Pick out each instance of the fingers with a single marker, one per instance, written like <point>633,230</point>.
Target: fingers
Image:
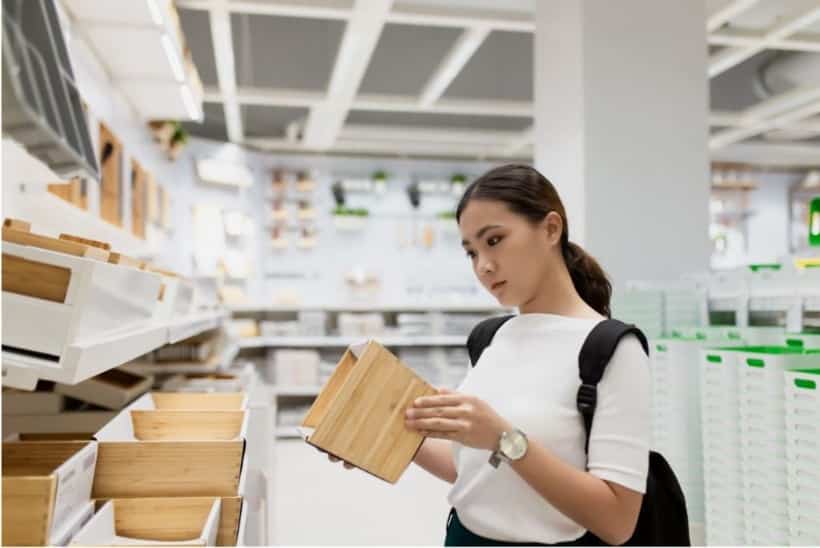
<point>347,465</point>
<point>451,412</point>
<point>435,425</point>
<point>444,400</point>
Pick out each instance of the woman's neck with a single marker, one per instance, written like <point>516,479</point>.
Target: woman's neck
<point>557,295</point>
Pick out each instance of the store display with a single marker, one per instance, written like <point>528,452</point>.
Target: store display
<point>381,445</point>
<point>802,438</point>
<point>360,325</point>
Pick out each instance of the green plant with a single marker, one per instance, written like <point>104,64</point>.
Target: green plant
<point>379,175</point>
<point>447,215</point>
<point>180,135</point>
<point>342,211</point>
<point>458,178</point>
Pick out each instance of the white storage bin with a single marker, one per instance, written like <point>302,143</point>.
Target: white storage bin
<point>294,367</point>
<point>104,320</point>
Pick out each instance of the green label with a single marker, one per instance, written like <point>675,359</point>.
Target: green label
<point>795,343</point>
<point>714,359</point>
<point>754,362</point>
<point>661,348</point>
<point>732,335</point>
<point>805,383</point>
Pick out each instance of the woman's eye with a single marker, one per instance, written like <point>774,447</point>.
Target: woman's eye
<point>493,241</point>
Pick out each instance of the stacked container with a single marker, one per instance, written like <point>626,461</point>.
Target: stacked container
<point>763,438</point>
<point>802,393</point>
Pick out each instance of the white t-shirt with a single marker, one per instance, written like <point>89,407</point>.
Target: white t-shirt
<point>529,376</point>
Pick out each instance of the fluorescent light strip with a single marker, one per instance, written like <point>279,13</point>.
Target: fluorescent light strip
<point>173,58</point>
<point>156,15</point>
<point>188,99</point>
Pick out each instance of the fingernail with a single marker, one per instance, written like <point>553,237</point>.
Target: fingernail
<point>408,414</point>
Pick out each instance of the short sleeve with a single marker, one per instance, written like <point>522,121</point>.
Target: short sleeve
<point>619,442</point>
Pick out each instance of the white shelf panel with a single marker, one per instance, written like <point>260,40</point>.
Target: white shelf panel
<point>297,390</point>
<point>221,362</point>
<point>83,360</point>
<point>288,432</point>
<point>193,325</point>
<point>432,307</point>
<point>343,342</point>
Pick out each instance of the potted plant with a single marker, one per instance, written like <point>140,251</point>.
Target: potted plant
<point>347,218</point>
<point>178,141</point>
<point>379,181</point>
<point>457,183</point>
<point>162,131</point>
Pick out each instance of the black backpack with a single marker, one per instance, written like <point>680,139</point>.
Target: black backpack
<point>663,520</point>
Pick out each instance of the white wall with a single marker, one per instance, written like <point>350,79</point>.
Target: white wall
<point>768,227</point>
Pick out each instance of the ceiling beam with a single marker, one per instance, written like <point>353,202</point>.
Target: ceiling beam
<point>272,97</point>
<point>727,13</point>
<point>405,13</point>
<point>409,13</point>
<point>770,154</point>
<point>797,42</point>
<point>309,9</point>
<point>452,64</point>
<point>358,43</point>
<point>782,120</point>
<point>729,57</point>
<point>425,134</point>
<point>519,142</point>
<point>225,69</point>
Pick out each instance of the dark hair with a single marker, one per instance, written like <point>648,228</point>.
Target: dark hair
<point>529,194</point>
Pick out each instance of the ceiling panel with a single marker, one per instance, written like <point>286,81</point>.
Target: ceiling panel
<point>426,119</point>
<point>405,58</point>
<point>196,26</point>
<point>213,123</point>
<point>500,69</point>
<point>263,121</point>
<point>284,52</point>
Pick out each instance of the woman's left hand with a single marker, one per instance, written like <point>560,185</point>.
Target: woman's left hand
<point>458,417</point>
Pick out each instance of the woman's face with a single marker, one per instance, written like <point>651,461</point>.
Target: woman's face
<point>510,256</point>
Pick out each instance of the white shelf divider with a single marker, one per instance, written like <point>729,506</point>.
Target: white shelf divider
<point>193,325</point>
<point>297,390</point>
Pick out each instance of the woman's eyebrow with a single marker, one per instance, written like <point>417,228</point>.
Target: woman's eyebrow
<point>480,233</point>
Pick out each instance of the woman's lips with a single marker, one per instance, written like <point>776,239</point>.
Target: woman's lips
<point>497,285</point>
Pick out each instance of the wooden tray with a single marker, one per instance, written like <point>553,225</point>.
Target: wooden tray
<point>113,389</point>
<point>168,469</point>
<point>359,414</point>
<point>182,521</point>
<point>44,483</point>
<point>174,425</point>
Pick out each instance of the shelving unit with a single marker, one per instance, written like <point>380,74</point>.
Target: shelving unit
<point>342,342</point>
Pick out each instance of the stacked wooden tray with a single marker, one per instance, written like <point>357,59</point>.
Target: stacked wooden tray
<point>178,445</point>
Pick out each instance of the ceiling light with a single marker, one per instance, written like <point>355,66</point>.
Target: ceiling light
<point>173,58</point>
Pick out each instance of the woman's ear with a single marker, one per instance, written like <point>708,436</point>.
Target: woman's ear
<point>554,226</point>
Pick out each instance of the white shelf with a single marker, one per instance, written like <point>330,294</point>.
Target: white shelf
<point>342,342</point>
<point>432,307</point>
<point>82,360</point>
<point>193,325</point>
<point>222,362</point>
<point>288,432</point>
<point>297,390</point>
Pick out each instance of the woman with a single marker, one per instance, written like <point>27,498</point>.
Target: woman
<point>515,233</point>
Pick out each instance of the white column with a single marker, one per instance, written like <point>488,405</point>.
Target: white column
<point>621,110</point>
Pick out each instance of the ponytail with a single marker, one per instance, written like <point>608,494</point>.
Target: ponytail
<point>588,277</point>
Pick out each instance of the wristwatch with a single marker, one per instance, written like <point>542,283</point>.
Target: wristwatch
<point>512,446</point>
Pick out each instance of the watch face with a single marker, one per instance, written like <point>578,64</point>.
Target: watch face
<point>513,444</point>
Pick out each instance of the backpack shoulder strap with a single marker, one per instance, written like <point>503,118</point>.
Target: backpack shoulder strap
<point>482,335</point>
<point>595,354</point>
